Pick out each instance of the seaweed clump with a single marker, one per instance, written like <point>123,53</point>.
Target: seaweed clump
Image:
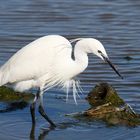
<point>11,100</point>
<point>106,105</point>
<point>104,93</point>
<point>7,94</point>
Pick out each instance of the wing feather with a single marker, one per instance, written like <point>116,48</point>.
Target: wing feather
<point>34,60</point>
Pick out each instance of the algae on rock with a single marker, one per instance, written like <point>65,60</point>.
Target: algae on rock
<point>104,93</point>
<point>7,94</point>
<point>106,105</point>
<point>11,100</point>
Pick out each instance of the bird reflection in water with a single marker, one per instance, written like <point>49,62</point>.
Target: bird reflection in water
<point>16,105</point>
<point>42,134</point>
<point>60,126</point>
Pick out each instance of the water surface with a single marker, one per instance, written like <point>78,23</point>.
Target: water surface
<point>115,23</point>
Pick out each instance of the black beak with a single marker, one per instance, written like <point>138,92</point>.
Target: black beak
<point>111,65</point>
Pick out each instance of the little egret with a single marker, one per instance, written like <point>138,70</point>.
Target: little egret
<point>47,62</point>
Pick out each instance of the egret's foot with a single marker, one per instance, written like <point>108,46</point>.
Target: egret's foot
<point>44,115</point>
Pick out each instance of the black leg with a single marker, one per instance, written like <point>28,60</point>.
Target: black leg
<point>32,107</point>
<point>32,110</point>
<point>32,132</point>
<point>42,112</point>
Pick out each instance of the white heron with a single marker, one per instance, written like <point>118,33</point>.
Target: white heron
<point>47,62</point>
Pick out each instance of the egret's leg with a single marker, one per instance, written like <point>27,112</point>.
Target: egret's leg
<point>42,112</point>
<point>32,132</point>
<point>32,108</point>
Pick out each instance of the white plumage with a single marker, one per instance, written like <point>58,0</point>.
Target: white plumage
<point>47,62</point>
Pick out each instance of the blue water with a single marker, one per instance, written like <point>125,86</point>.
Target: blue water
<point>115,23</point>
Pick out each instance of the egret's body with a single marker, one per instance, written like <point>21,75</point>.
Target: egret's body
<point>47,62</point>
<point>38,62</point>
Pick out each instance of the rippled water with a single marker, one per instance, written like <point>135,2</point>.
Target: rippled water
<point>115,23</point>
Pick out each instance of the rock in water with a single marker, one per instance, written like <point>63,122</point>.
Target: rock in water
<point>11,100</point>
<point>103,93</point>
<point>106,105</point>
<point>9,95</point>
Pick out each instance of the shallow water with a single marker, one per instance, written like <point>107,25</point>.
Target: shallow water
<point>115,23</point>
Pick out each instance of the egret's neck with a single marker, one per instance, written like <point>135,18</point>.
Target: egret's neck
<point>81,58</point>
<point>72,67</point>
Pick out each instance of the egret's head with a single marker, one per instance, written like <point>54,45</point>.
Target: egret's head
<point>94,46</point>
<point>97,48</point>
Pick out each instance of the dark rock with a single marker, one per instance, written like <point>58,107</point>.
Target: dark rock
<point>107,106</point>
<point>104,93</point>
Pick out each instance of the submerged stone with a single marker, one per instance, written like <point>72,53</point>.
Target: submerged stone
<point>11,100</point>
<point>104,93</point>
<point>8,95</point>
<point>128,58</point>
<point>107,106</point>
